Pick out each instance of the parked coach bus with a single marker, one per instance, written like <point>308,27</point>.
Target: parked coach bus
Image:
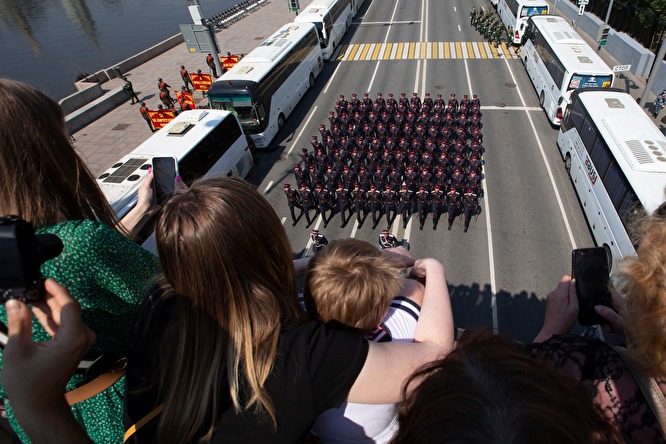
<point>616,158</point>
<point>514,15</point>
<point>267,84</point>
<point>558,62</point>
<point>332,19</point>
<point>203,142</point>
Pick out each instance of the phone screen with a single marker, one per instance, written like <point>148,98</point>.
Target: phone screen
<point>164,177</point>
<point>591,271</point>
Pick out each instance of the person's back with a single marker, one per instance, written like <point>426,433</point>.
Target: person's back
<point>354,284</point>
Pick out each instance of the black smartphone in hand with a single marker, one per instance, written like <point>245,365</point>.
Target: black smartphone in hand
<point>591,271</point>
<point>164,178</point>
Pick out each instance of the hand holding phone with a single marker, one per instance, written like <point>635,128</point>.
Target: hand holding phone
<point>591,272</point>
<point>164,178</point>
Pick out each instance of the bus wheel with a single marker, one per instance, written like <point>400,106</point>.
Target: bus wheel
<point>567,164</point>
<point>542,99</point>
<point>281,120</point>
<point>311,80</point>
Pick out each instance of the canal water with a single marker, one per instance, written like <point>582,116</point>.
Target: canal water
<point>47,43</point>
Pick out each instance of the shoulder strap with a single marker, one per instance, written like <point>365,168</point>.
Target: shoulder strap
<point>649,387</point>
<point>142,422</point>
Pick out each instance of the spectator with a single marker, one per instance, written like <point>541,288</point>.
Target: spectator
<point>46,183</point>
<point>488,390</point>
<point>615,389</point>
<point>227,354</point>
<point>353,284</point>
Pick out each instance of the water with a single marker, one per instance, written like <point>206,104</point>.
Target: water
<point>46,43</point>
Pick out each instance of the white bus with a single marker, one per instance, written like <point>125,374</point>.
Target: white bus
<point>332,19</point>
<point>204,143</point>
<point>558,62</point>
<point>514,15</point>
<point>267,84</point>
<point>616,158</point>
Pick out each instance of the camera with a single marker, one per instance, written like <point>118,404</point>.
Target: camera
<point>21,254</point>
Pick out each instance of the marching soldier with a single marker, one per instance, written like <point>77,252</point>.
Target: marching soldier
<point>343,197</point>
<point>300,175</point>
<point>422,197</point>
<point>452,204</point>
<point>293,200</point>
<point>144,113</point>
<point>375,204</point>
<point>319,241</point>
<point>474,182</point>
<point>405,204</point>
<point>308,158</point>
<point>415,103</point>
<point>453,102</point>
<point>390,198</point>
<point>307,202</point>
<point>324,202</point>
<point>360,204</point>
<point>470,206</point>
<point>404,101</point>
<point>437,198</point>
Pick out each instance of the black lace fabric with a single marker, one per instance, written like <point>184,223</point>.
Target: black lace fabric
<point>609,382</point>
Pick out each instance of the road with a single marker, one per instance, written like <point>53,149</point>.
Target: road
<point>520,245</point>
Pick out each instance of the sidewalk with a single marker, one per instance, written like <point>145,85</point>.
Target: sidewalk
<point>118,132</point>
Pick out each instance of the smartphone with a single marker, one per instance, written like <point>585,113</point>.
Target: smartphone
<point>591,271</point>
<point>164,178</point>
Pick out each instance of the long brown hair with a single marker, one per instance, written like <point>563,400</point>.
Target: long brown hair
<point>489,391</point>
<point>228,260</point>
<point>43,179</point>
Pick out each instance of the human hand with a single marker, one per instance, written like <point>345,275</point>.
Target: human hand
<point>35,373</point>
<point>423,267</point>
<point>561,310</point>
<point>146,200</point>
<point>400,254</point>
<point>615,321</point>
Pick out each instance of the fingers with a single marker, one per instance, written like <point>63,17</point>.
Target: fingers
<point>19,322</point>
<point>48,311</point>
<point>614,319</point>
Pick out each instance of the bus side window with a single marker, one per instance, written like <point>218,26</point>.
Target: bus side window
<point>207,152</point>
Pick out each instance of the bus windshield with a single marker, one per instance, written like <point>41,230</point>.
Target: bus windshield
<point>249,113</point>
<point>589,81</point>
<point>529,11</point>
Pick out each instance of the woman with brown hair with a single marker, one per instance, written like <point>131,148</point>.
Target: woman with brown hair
<point>489,391</point>
<point>45,182</point>
<point>226,354</point>
<point>640,314</point>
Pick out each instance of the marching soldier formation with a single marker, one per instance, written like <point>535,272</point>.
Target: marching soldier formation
<point>388,157</point>
<point>488,25</point>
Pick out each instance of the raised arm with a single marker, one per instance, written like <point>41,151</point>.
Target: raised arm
<point>394,362</point>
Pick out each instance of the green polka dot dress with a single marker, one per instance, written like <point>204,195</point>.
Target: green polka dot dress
<point>109,275</point>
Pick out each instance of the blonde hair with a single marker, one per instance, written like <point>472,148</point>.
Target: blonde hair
<point>643,281</point>
<point>351,282</point>
<point>43,179</point>
<point>228,261</point>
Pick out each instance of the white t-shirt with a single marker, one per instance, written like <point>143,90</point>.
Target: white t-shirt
<point>370,423</point>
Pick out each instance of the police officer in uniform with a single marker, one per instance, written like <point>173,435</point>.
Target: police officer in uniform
<point>388,240</point>
<point>319,241</point>
<point>343,199</point>
<point>452,204</point>
<point>293,200</point>
<point>390,198</point>
<point>437,199</point>
<point>405,203</point>
<point>360,204</point>
<point>375,204</point>
<point>422,203</point>
<point>470,206</point>
<point>324,202</point>
<point>308,202</point>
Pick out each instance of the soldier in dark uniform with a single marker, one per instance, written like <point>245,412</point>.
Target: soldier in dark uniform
<point>391,101</point>
<point>354,102</point>
<point>473,182</point>
<point>367,101</point>
<point>365,178</point>
<point>301,175</point>
<point>438,204</point>
<point>333,120</point>
<point>390,198</point>
<point>324,202</point>
<point>425,179</point>
<point>440,101</point>
<point>375,204</point>
<point>394,179</point>
<point>360,204</point>
<point>457,180</point>
<point>343,200</point>
<point>405,203</point>
<point>428,103</point>
<point>388,240</point>
<point>453,102</point>
<point>422,197</point>
<point>470,206</point>
<point>293,200</point>
<point>415,103</point>
<point>411,177</point>
<point>319,241</point>
<point>452,204</point>
<point>315,175</point>
<point>330,177</point>
<point>404,101</point>
<point>475,163</point>
<point>308,202</point>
